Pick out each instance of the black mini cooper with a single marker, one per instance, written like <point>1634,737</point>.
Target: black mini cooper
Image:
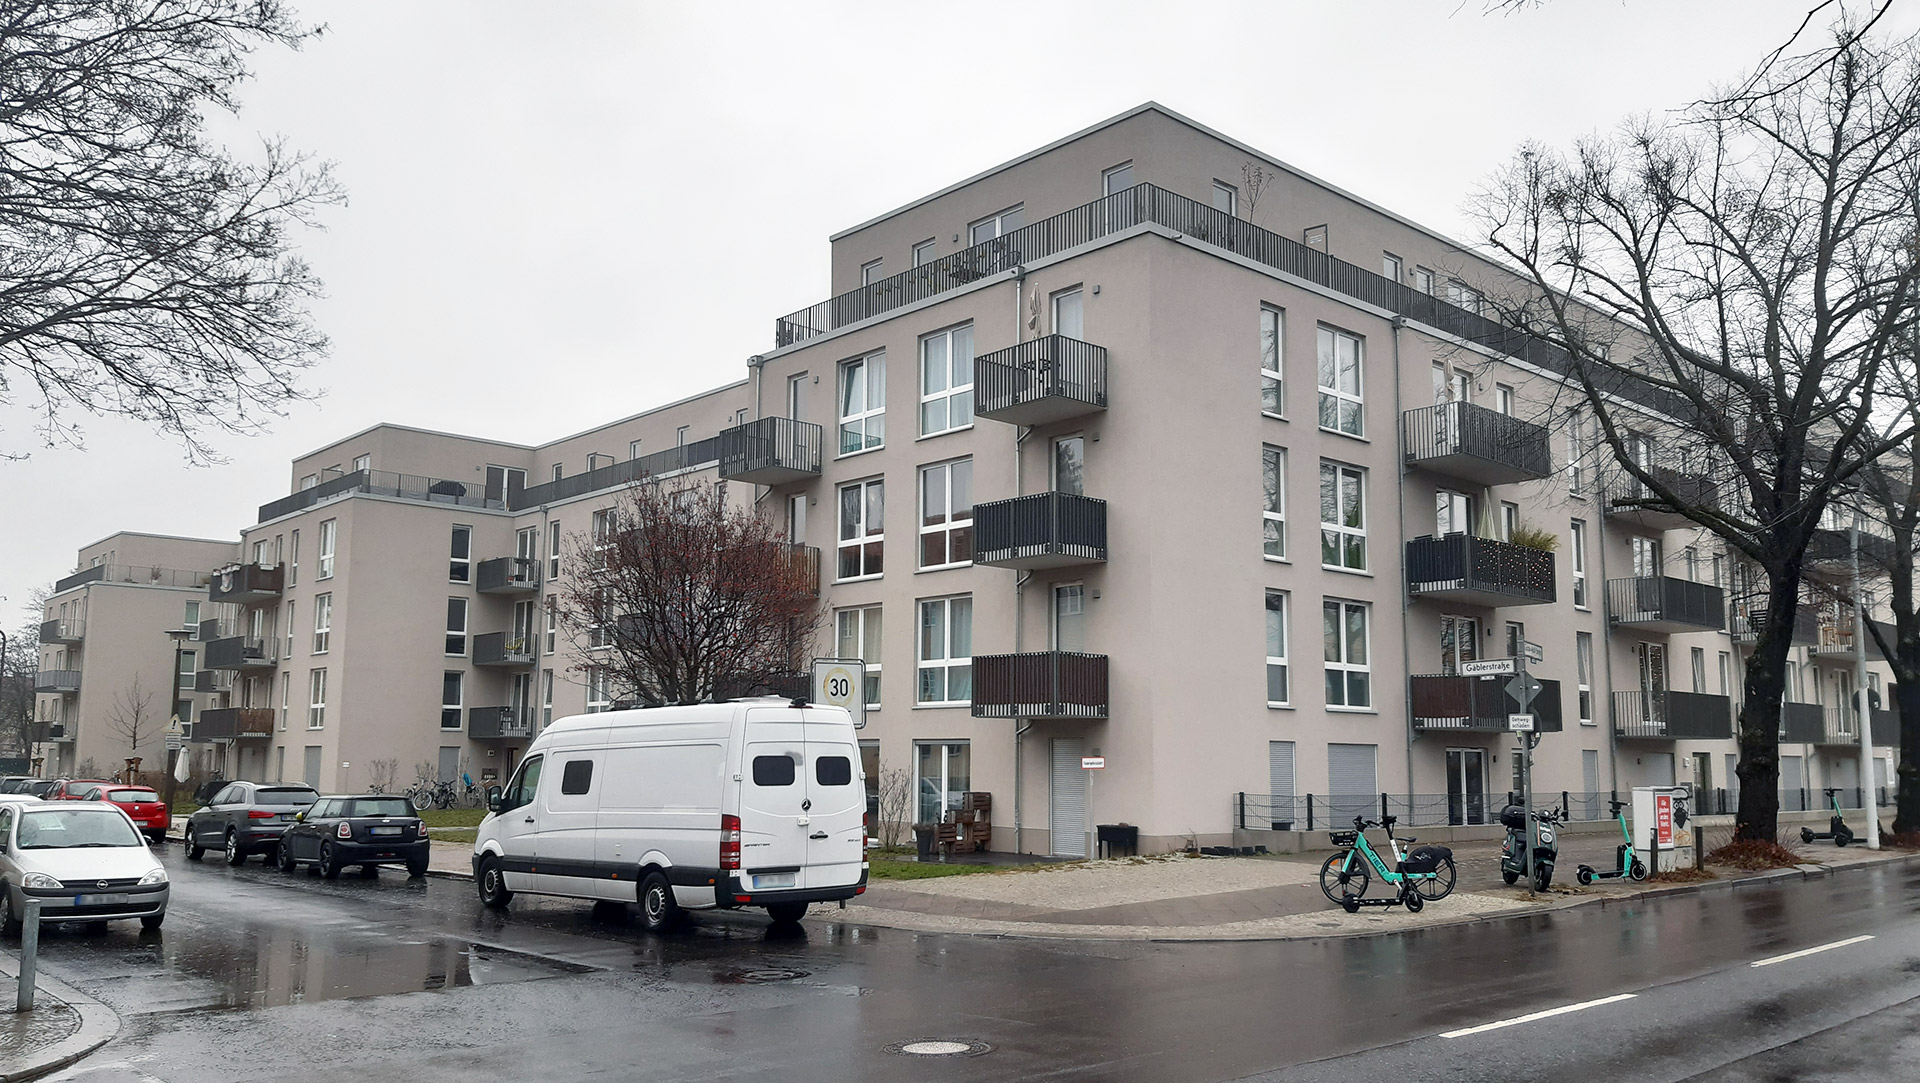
<point>367,830</point>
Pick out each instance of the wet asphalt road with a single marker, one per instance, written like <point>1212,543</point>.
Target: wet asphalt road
<point>261,976</point>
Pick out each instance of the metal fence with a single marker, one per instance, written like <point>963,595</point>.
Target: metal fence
<point>1336,812</point>
<point>144,574</point>
<point>386,483</point>
<point>1046,528</point>
<point>1052,366</point>
<point>1663,599</point>
<point>694,456</point>
<point>1461,428</point>
<point>1463,562</point>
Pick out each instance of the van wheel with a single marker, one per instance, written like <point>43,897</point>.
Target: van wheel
<point>492,885</point>
<point>786,913</point>
<point>658,910</point>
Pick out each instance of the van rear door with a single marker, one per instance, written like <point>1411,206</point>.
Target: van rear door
<point>774,805</point>
<point>836,830</point>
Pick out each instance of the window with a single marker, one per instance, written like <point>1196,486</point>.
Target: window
<point>872,271</point>
<point>451,692</point>
<point>1390,267</point>
<point>1576,453</point>
<point>863,404</point>
<point>576,777</point>
<point>460,560</point>
<point>1583,658</point>
<point>525,784</point>
<point>1726,673</point>
<point>546,698</point>
<point>260,551</point>
<point>1578,555</point>
<point>1509,519</point>
<point>1226,198</point>
<point>1070,617</point>
<point>1719,565</point>
<point>1273,508</point>
<point>946,651</point>
<point>553,549</point>
<point>595,461</point>
<point>1000,224</point>
<point>1503,399</point>
<point>605,522</point>
<point>362,462</point>
<point>317,699</point>
<point>192,617</point>
<point>1117,179</point>
<point>599,690</point>
<point>1452,512</point>
<point>1348,678</point>
<point>923,253</point>
<point>1340,399</point>
<point>946,514</point>
<point>322,622</point>
<point>286,697</point>
<point>1070,465</point>
<point>559,471</point>
<point>309,482</point>
<point>633,449</point>
<point>1646,557</point>
<point>1465,296</point>
<point>942,772</point>
<point>1423,280</point>
<point>862,532</point>
<point>680,436</point>
<point>1459,642</point>
<point>1516,639</point>
<point>833,771</point>
<point>946,380</point>
<point>1273,388</point>
<point>293,564</point>
<point>1278,693</point>
<point>857,635</point>
<point>553,626</point>
<point>774,770</point>
<point>1070,313</point>
<point>456,626</point>
<point>188,666</point>
<point>1690,556</point>
<point>1698,658</point>
<point>327,531</point>
<point>1343,519</point>
<point>1315,237</point>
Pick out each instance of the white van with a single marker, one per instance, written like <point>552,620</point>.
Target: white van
<point>750,803</point>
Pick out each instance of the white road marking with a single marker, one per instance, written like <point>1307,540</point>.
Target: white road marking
<point>1564,1009</point>
<point>1804,952</point>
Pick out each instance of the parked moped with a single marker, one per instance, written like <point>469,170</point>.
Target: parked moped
<point>1544,850</point>
<point>1627,863</point>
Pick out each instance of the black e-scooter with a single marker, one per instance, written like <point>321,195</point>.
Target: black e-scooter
<point>1838,830</point>
<point>1627,863</point>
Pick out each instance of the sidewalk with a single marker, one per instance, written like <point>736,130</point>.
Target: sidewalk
<point>64,1025</point>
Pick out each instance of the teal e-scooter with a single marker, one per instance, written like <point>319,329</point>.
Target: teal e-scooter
<point>1838,830</point>
<point>1628,863</point>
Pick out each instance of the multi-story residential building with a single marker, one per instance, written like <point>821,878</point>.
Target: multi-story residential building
<point>1151,447</point>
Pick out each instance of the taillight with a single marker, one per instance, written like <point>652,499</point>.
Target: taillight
<point>730,842</point>
<point>256,814</point>
<point>345,830</point>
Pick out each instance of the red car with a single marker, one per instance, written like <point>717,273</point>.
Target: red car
<point>70,789</point>
<point>148,811</point>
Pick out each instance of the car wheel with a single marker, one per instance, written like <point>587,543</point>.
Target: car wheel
<point>152,921</point>
<point>236,855</point>
<point>417,869</point>
<point>658,910</point>
<point>194,849</point>
<point>10,923</point>
<point>285,857</point>
<point>787,913</point>
<point>329,862</point>
<point>492,885</point>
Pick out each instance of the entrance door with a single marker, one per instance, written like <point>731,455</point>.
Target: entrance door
<point>1653,682</point>
<point>797,518</point>
<point>1793,782</point>
<point>1702,773</point>
<point>773,833</point>
<point>1466,786</point>
<point>1067,799</point>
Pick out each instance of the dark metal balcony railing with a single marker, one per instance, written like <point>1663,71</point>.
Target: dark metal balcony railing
<point>1803,723</point>
<point>242,652</point>
<point>496,649</point>
<point>1445,702</point>
<point>496,723</point>
<point>1043,530</point>
<point>1629,499</point>
<point>697,455</point>
<point>1045,684</point>
<point>771,451</point>
<point>804,562</point>
<point>1479,571</point>
<point>143,574</point>
<point>213,680</point>
<point>1672,716</point>
<point>1145,204</point>
<point>57,680</point>
<point>247,583</point>
<point>1661,603</point>
<point>1839,725</point>
<point>1473,442</point>
<point>1886,729</point>
<point>63,631</point>
<point>508,575</point>
<point>1043,380</point>
<point>419,487</point>
<point>229,723</point>
<point>1748,620</point>
<point>53,731</point>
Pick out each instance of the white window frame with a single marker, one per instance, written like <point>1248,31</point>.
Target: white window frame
<point>1231,195</point>
<point>362,462</point>
<point>322,622</point>
<point>599,689</point>
<point>1392,267</point>
<point>1504,399</point>
<point>1273,499</point>
<point>947,612</point>
<point>552,632</point>
<point>1333,394</point>
<point>1276,605</point>
<point>457,706</point>
<point>954,394</point>
<point>286,701</point>
<point>329,533</point>
<point>633,450</point>
<point>1509,519</point>
<point>307,482</point>
<point>1423,280</point>
<point>317,699</point>
<point>863,536</point>
<point>1109,174</point>
<point>1342,608</point>
<point>872,271</point>
<point>860,628</point>
<point>1338,532</point>
<point>1273,346</point>
<point>999,224</point>
<point>937,479</point>
<point>1577,550</point>
<point>466,616</point>
<point>925,252</point>
<point>546,698</point>
<point>553,549</point>
<point>1583,664</point>
<point>459,568</point>
<point>868,423</point>
<point>293,560</point>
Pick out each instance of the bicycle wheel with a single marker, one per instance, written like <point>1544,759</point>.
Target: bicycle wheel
<point>444,798</point>
<point>1344,873</point>
<point>1442,883</point>
<point>420,798</point>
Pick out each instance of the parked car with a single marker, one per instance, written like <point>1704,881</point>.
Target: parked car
<point>368,830</point>
<point>140,804</point>
<point>84,861</point>
<point>39,787</point>
<point>245,818</point>
<point>70,789</point>
<point>20,798</point>
<point>16,783</point>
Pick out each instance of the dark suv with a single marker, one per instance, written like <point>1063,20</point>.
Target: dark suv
<point>245,818</point>
<point>367,830</point>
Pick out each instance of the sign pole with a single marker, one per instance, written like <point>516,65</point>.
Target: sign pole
<point>1526,786</point>
<point>1093,833</point>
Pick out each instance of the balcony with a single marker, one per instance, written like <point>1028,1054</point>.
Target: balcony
<point>62,681</point>
<point>1048,379</point>
<point>495,649</point>
<point>508,575</point>
<point>1839,726</point>
<point>771,451</point>
<point>1478,571</point>
<point>1044,530</point>
<point>1748,620</point>
<point>59,732</point>
<point>695,455</point>
<point>1629,501</point>
<point>63,631</point>
<point>1445,703</point>
<point>213,680</point>
<point>1830,553</point>
<point>1484,446</point>
<point>243,652</point>
<point>1643,715</point>
<point>416,487</point>
<point>1803,723</point>
<point>230,723</point>
<point>1834,640</point>
<point>1045,684</point>
<point>803,561</point>
<point>143,574</point>
<point>1661,603</point>
<point>247,584</point>
<point>497,724</point>
<point>1886,729</point>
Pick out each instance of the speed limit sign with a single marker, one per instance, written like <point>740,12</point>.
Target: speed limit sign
<point>842,682</point>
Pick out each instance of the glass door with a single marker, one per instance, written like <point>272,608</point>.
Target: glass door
<point>1070,465</point>
<point>1653,682</point>
<point>1466,786</point>
<point>1459,642</point>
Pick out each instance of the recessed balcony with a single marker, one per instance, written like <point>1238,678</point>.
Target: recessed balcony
<point>1044,684</point>
<point>243,652</point>
<point>1471,442</point>
<point>62,681</point>
<point>1834,639</point>
<point>1661,603</point>
<point>57,732</point>
<point>63,631</point>
<point>1839,726</point>
<point>247,584</point>
<point>1047,379</point>
<point>508,575</point>
<point>497,649</point>
<point>1479,571</point>
<point>1630,501</point>
<point>497,724</point>
<point>1642,714</point>
<point>232,723</point>
<point>1454,704</point>
<point>771,451</point>
<point>1748,620</point>
<point>1043,530</point>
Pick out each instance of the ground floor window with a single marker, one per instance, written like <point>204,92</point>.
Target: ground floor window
<point>941,773</point>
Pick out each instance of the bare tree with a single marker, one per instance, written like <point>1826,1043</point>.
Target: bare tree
<point>678,598</point>
<point>1889,497</point>
<point>17,665</point>
<point>145,272</point>
<point>131,716</point>
<point>381,775</point>
<point>896,804</point>
<point>1759,256</point>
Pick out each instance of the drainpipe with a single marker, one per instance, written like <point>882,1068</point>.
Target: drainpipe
<point>1605,662</point>
<point>1400,510</point>
<point>758,364</point>
<point>1019,581</point>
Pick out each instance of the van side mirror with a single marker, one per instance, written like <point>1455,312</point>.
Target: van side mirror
<point>493,799</point>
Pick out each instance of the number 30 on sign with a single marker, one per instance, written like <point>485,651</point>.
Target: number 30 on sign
<point>842,682</point>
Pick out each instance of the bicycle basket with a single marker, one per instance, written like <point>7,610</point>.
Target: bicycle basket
<point>1341,838</point>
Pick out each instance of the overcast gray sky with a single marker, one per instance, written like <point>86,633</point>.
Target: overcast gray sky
<point>561,214</point>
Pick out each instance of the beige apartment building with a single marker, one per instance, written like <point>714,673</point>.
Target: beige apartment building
<point>1101,458</point>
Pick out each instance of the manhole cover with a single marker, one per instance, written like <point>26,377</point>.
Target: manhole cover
<point>760,976</point>
<point>939,1047</point>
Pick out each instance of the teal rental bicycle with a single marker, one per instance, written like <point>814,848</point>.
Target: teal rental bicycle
<point>1420,877</point>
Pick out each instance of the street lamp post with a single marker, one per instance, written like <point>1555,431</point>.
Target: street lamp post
<point>179,637</point>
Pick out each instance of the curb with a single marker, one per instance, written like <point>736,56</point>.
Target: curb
<point>98,1026</point>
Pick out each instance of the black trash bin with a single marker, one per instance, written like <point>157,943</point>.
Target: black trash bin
<point>923,837</point>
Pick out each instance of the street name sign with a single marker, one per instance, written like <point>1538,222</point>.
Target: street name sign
<point>1489,667</point>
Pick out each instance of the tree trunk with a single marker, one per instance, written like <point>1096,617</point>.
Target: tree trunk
<point>1906,696</point>
<point>1758,816</point>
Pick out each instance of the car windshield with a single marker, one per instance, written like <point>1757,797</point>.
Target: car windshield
<point>381,806</point>
<point>40,788</point>
<point>132,796</point>
<point>286,795</point>
<point>58,828</point>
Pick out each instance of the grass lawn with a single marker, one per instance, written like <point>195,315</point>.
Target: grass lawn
<point>459,836</point>
<point>880,868</point>
<point>454,817</point>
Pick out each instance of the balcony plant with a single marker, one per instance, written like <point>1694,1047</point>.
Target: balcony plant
<point>1528,536</point>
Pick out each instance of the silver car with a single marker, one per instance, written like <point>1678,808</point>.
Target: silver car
<point>84,861</point>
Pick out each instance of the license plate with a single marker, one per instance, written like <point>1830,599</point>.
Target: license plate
<point>100,900</point>
<point>773,880</point>
<point>388,830</point>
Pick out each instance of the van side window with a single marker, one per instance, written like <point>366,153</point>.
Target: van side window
<point>833,771</point>
<point>576,777</point>
<point>773,771</point>
<point>521,791</point>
